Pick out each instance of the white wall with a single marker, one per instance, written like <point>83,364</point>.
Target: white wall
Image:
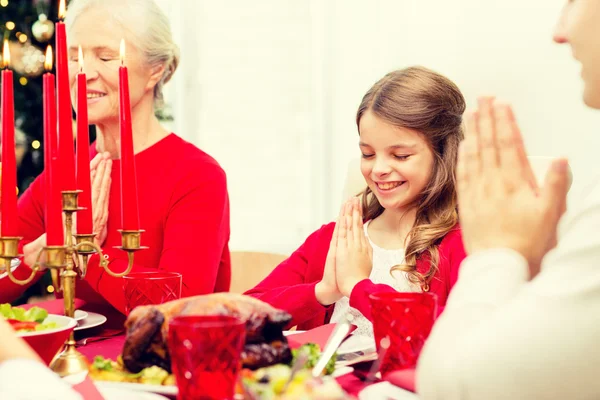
<point>270,88</point>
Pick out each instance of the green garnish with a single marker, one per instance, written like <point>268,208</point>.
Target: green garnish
<point>34,314</point>
<point>314,352</point>
<point>102,364</point>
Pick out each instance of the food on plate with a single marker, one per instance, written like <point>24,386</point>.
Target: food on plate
<point>104,369</point>
<point>147,330</point>
<point>314,353</point>
<point>23,320</point>
<point>270,384</point>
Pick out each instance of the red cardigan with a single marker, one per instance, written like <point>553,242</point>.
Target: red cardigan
<point>291,286</point>
<point>184,210</point>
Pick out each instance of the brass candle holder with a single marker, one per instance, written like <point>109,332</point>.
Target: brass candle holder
<point>60,261</point>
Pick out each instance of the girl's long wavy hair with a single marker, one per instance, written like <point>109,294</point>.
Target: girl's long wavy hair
<point>420,99</point>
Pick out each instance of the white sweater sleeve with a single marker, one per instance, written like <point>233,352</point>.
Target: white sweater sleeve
<point>501,337</point>
<point>24,379</point>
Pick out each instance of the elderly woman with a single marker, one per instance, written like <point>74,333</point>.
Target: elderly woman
<point>184,206</point>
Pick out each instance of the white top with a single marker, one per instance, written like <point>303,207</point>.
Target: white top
<point>383,261</point>
<point>503,337</point>
<point>24,379</point>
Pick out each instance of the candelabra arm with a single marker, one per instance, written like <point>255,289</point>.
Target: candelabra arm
<point>104,264</point>
<point>87,245</point>
<point>7,265</point>
<point>9,249</point>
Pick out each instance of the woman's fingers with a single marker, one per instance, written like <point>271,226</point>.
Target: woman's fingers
<point>104,187</point>
<point>104,219</point>
<point>96,161</point>
<point>96,188</point>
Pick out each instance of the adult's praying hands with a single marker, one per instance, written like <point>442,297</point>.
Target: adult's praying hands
<point>499,202</point>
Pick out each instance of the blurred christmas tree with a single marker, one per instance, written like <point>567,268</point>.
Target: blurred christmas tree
<point>28,26</point>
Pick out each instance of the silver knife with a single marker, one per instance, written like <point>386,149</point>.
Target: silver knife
<point>337,337</point>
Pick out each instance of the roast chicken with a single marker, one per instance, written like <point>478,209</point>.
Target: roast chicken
<point>147,329</point>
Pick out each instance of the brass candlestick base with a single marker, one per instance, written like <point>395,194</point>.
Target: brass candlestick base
<point>60,261</point>
<point>70,361</point>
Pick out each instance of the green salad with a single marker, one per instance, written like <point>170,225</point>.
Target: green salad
<point>314,353</point>
<point>26,320</point>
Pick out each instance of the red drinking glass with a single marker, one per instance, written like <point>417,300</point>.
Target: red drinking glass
<point>406,319</point>
<point>205,355</point>
<point>155,287</point>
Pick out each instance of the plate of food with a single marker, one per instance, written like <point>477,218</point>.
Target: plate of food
<point>113,374</point>
<point>45,333</point>
<point>353,344</point>
<point>144,363</point>
<point>272,383</point>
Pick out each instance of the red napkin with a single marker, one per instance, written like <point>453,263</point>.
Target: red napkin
<point>54,306</point>
<point>404,378</point>
<point>318,335</point>
<point>88,390</point>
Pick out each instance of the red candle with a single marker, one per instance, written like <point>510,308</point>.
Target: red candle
<point>84,216</point>
<point>53,198</point>
<point>129,201</point>
<point>66,170</point>
<point>8,226</point>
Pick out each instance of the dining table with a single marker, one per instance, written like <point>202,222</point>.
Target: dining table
<point>107,340</point>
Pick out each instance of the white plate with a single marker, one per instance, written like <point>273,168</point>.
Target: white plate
<point>115,393</point>
<point>355,343</point>
<point>91,321</point>
<point>386,391</point>
<point>341,371</point>
<point>80,314</point>
<point>137,387</point>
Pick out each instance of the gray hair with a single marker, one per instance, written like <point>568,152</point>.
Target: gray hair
<point>153,36</point>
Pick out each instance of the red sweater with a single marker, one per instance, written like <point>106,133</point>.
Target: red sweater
<point>184,210</point>
<point>291,286</point>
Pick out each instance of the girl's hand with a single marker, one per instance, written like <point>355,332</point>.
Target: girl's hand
<point>326,290</point>
<point>354,256</point>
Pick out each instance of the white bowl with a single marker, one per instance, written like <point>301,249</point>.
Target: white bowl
<point>47,343</point>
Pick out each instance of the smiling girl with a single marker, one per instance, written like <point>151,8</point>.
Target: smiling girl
<point>409,126</point>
